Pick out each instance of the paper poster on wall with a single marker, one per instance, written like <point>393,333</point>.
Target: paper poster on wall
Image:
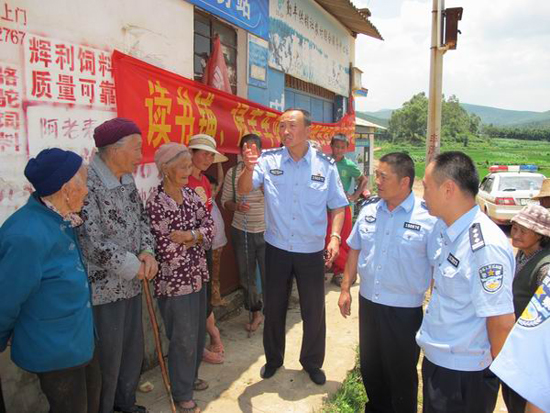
<point>64,127</point>
<point>257,61</point>
<point>307,43</point>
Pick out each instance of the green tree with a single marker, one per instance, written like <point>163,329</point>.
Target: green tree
<point>409,123</point>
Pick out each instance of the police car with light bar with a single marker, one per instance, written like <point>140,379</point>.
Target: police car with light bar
<point>507,189</point>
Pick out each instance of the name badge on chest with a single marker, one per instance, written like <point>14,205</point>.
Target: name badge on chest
<point>318,178</point>
<point>276,172</point>
<point>453,260</point>
<point>414,227</point>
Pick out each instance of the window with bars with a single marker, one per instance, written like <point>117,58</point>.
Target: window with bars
<point>206,27</point>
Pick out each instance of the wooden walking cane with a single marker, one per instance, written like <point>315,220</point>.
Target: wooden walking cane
<point>158,345</point>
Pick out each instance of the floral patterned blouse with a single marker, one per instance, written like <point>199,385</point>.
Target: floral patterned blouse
<point>115,231</point>
<point>181,270</point>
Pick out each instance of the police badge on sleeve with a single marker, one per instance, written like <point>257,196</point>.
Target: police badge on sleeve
<point>538,309</point>
<point>491,277</point>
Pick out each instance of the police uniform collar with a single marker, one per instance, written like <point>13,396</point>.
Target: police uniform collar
<point>407,204</point>
<point>461,224</point>
<point>307,157</point>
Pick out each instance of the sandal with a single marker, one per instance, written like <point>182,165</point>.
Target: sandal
<point>200,385</point>
<point>192,409</point>
<point>337,279</point>
<point>211,357</point>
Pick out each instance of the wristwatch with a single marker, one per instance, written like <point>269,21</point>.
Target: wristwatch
<point>336,235</point>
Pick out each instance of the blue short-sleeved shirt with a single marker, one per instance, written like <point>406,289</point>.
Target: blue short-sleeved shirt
<point>524,361</point>
<point>473,272</point>
<point>296,198</point>
<point>393,262</point>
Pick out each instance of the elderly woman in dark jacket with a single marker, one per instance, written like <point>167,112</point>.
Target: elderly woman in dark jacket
<point>119,248</point>
<point>183,229</point>
<point>44,295</point>
<point>530,235</point>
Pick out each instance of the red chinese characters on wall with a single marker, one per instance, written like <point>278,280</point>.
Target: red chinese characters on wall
<point>11,118</point>
<point>61,72</point>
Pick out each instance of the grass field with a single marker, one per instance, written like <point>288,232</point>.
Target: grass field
<point>484,154</point>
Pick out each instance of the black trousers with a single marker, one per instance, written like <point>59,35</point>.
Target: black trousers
<point>514,402</point>
<point>389,356</point>
<point>120,332</point>
<point>75,389</point>
<point>453,391</point>
<point>308,268</point>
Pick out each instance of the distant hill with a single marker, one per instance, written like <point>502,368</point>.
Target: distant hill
<point>488,115</point>
<point>505,117</point>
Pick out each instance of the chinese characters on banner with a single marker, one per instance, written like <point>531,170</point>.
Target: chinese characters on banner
<point>64,127</point>
<point>11,114</point>
<point>171,108</point>
<point>306,43</point>
<point>61,72</point>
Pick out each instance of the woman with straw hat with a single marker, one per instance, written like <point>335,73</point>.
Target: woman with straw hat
<point>531,236</point>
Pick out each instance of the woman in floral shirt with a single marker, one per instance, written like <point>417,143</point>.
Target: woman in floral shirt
<point>182,227</point>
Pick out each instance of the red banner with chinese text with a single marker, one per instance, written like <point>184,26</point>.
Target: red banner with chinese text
<point>171,108</point>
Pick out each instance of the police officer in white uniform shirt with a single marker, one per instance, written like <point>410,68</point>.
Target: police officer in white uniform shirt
<point>524,362</point>
<point>299,183</point>
<point>471,310</point>
<point>388,249</point>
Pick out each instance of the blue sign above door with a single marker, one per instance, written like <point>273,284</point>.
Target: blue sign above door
<point>251,15</point>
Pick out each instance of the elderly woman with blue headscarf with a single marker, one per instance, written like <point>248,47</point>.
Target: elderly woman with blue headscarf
<point>44,294</point>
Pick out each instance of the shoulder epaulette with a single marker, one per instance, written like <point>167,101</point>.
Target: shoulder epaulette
<point>327,158</point>
<point>371,200</point>
<point>476,237</point>
<point>272,150</point>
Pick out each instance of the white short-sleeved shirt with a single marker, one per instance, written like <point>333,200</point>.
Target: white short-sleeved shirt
<point>297,195</point>
<point>473,272</point>
<point>393,263</point>
<point>524,361</point>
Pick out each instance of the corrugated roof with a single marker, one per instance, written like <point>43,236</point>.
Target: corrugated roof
<point>350,16</point>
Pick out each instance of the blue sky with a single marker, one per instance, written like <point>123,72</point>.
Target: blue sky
<point>502,59</point>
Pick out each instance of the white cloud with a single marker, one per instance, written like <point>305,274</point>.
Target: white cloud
<point>502,57</point>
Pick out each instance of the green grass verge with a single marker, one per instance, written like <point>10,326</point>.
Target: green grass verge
<point>484,153</point>
<point>351,397</point>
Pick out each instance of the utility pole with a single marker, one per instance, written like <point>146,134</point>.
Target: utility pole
<point>448,18</point>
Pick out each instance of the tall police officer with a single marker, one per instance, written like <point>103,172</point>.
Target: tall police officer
<point>471,310</point>
<point>299,183</point>
<point>389,241</point>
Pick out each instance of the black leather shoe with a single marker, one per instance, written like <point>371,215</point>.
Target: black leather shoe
<point>317,376</point>
<point>136,408</point>
<point>267,371</point>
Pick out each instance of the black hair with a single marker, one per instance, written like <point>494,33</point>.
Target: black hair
<point>339,137</point>
<point>544,242</point>
<point>307,115</point>
<point>401,164</point>
<point>251,137</point>
<point>211,179</point>
<point>459,168</point>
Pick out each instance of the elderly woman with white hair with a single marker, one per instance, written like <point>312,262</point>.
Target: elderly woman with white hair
<point>44,295</point>
<point>183,229</point>
<point>119,248</point>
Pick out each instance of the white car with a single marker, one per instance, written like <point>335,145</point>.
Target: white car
<point>503,194</point>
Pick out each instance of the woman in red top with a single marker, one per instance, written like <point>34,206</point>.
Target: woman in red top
<point>204,154</point>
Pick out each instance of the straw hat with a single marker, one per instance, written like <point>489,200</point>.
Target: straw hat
<point>534,217</point>
<point>544,190</point>
<point>206,143</point>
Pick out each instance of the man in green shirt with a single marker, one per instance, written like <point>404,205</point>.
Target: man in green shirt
<point>348,170</point>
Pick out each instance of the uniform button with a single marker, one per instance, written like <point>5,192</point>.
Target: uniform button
<point>293,218</point>
<point>377,282</point>
<point>387,232</point>
<point>375,295</point>
<point>439,265</point>
<point>291,235</point>
<point>384,250</point>
<point>379,267</point>
<point>427,311</point>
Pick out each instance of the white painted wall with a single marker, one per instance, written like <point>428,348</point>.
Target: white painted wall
<point>159,32</point>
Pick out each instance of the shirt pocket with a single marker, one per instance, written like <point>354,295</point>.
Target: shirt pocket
<point>276,185</point>
<point>367,234</point>
<point>315,193</point>
<point>450,283</point>
<point>409,244</point>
